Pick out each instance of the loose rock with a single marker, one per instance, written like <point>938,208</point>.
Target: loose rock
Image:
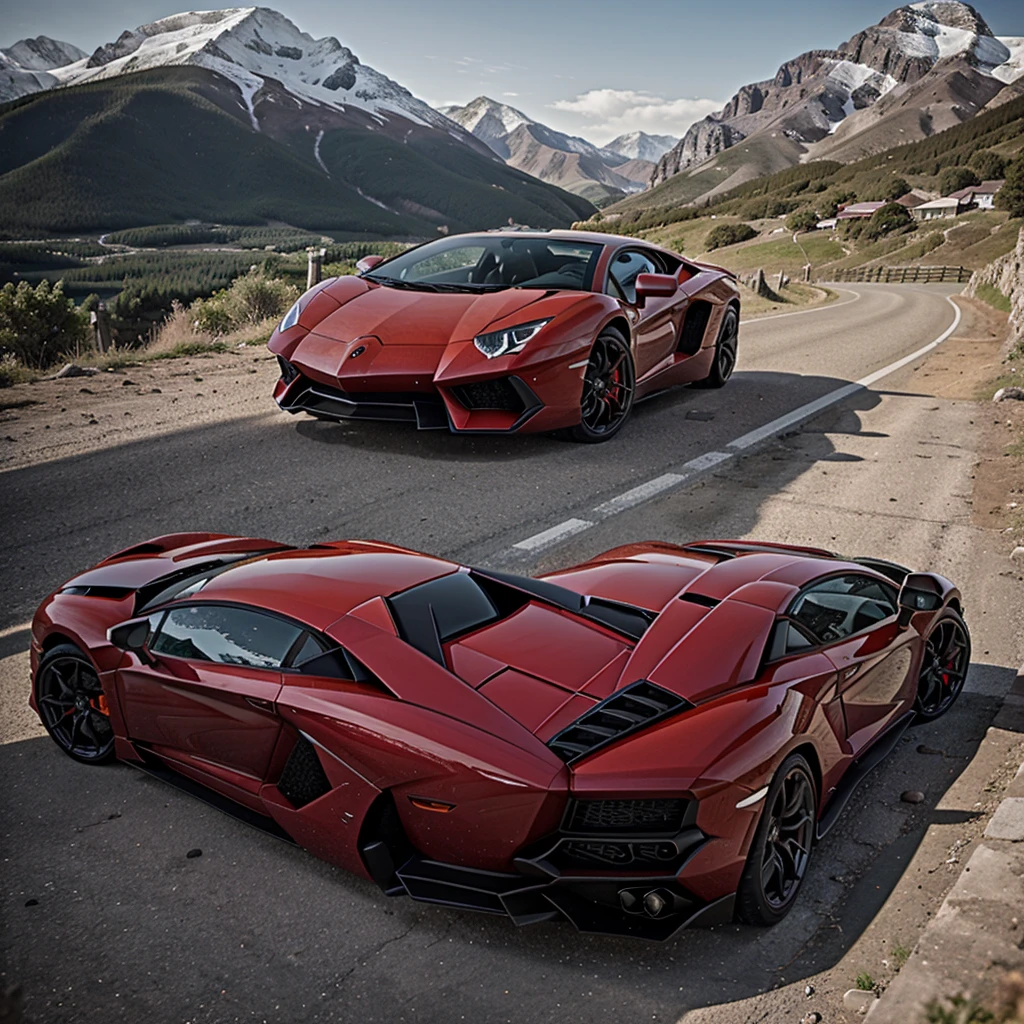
<point>1009,394</point>
<point>192,854</point>
<point>856,1000</point>
<point>912,796</point>
<point>1017,555</point>
<point>74,370</point>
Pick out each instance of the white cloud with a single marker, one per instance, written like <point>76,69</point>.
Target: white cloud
<point>612,112</point>
<point>510,94</point>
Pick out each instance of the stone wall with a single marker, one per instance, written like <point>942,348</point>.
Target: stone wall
<point>1006,274</point>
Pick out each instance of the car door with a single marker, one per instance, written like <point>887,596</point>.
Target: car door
<point>854,617</point>
<point>207,699</point>
<point>656,323</point>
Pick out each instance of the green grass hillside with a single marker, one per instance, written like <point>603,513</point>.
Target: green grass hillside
<point>800,187</point>
<point>775,203</point>
<point>171,145</point>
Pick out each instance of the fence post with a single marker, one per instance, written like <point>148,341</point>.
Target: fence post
<point>100,320</point>
<point>315,269</point>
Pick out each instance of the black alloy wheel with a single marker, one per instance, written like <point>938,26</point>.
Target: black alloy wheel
<point>944,664</point>
<point>609,384</point>
<point>72,705</point>
<point>781,849</point>
<point>726,348</point>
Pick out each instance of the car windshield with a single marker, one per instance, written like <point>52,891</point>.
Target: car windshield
<point>480,263</point>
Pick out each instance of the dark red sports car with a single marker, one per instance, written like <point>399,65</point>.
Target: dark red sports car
<point>649,740</point>
<point>508,331</point>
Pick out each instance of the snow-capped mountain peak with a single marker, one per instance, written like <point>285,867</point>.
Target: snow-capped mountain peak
<point>487,119</point>
<point>248,46</point>
<point>42,53</point>
<point>639,145</point>
<point>942,29</point>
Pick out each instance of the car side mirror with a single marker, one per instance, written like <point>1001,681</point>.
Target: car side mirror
<point>367,263</point>
<point>132,636</point>
<point>921,592</point>
<point>656,286</point>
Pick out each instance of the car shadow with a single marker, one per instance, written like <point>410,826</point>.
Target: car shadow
<point>247,902</point>
<point>264,475</point>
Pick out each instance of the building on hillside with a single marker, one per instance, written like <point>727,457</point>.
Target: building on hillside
<point>858,211</point>
<point>937,209</point>
<point>915,197</point>
<point>828,224</point>
<point>982,196</point>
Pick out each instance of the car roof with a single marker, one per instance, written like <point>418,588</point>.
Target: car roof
<point>320,584</point>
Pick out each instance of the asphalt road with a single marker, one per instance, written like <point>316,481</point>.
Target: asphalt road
<point>106,920</point>
<point>300,480</point>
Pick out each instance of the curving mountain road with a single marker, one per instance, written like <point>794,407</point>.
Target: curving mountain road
<point>105,920</point>
<point>299,480</point>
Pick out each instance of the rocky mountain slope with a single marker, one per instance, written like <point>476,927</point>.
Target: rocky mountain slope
<point>572,163</point>
<point>640,146</point>
<point>25,66</point>
<point>923,68</point>
<point>372,157</point>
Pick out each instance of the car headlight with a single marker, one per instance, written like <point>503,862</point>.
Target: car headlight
<point>291,318</point>
<point>501,343</point>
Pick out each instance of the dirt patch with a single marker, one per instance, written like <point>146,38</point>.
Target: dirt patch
<point>53,419</point>
<point>963,365</point>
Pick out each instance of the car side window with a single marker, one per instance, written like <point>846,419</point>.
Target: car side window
<point>227,635</point>
<point>626,267</point>
<point>841,606</point>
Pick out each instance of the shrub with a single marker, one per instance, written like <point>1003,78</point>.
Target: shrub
<point>891,217</point>
<point>251,299</point>
<point>952,179</point>
<point>990,166</point>
<point>37,324</point>
<point>805,220</point>
<point>1011,195</point>
<point>728,234</point>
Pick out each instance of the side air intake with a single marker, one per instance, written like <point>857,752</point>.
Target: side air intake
<point>629,710</point>
<point>303,778</point>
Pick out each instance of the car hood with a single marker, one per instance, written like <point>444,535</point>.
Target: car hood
<point>396,316</point>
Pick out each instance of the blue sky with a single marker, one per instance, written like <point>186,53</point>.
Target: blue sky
<point>591,67</point>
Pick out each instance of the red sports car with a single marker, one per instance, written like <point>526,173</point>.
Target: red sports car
<point>508,331</point>
<point>651,739</point>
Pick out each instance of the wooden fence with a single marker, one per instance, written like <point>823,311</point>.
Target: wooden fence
<point>899,275</point>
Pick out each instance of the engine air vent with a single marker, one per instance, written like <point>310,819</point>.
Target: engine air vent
<point>303,778</point>
<point>600,817</point>
<point>627,711</point>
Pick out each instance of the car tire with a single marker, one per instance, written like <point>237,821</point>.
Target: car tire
<point>72,705</point>
<point>726,346</point>
<point>774,871</point>
<point>609,385</point>
<point>944,664</point>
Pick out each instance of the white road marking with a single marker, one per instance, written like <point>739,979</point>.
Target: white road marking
<point>689,470</point>
<point>792,418</point>
<point>800,312</point>
<point>548,537</point>
<point>639,494</point>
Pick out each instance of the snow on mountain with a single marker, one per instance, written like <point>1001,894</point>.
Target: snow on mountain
<point>641,146</point>
<point>42,53</point>
<point>941,29</point>
<point>1012,68</point>
<point>25,67</point>
<point>483,108</point>
<point>15,81</point>
<point>250,45</point>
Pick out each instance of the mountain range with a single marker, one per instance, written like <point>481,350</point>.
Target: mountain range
<point>600,174</point>
<point>238,116</point>
<point>923,68</point>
